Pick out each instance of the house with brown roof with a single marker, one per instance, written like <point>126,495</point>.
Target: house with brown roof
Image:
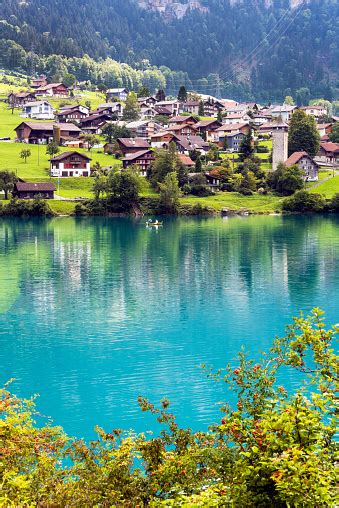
<point>329,152</point>
<point>305,163</point>
<point>93,124</point>
<point>186,160</point>
<point>40,81</point>
<point>162,139</point>
<point>17,100</point>
<point>207,127</point>
<point>187,144</point>
<point>212,107</point>
<point>44,132</point>
<point>27,190</point>
<point>183,129</point>
<point>132,145</point>
<point>236,118</point>
<point>70,164</point>
<point>142,159</point>
<point>162,110</point>
<point>182,120</point>
<point>225,130</point>
<point>52,90</point>
<point>72,113</point>
<point>191,107</point>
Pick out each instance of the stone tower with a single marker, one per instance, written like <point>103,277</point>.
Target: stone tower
<point>280,143</point>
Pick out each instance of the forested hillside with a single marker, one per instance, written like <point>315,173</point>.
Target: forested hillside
<point>258,51</point>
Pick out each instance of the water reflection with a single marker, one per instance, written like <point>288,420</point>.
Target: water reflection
<point>94,312</point>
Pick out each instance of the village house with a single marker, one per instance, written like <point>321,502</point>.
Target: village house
<point>324,129</point>
<point>118,93</point>
<point>316,111</point>
<point>206,128</point>
<point>39,82</point>
<point>70,164</point>
<point>72,113</point>
<point>148,112</point>
<point>182,120</point>
<point>305,163</point>
<point>162,110</point>
<point>212,107</point>
<point>283,112</point>
<point>213,181</point>
<point>187,144</point>
<point>17,100</point>
<point>132,145</point>
<point>26,190</point>
<point>93,124</point>
<point>186,161</point>
<point>161,139</point>
<point>191,107</point>
<point>233,141</point>
<point>143,128</point>
<point>44,132</point>
<point>229,130</point>
<point>114,109</point>
<point>236,118</point>
<point>182,129</point>
<point>143,159</point>
<point>52,90</point>
<point>175,107</point>
<point>147,101</point>
<point>40,110</point>
<point>329,153</point>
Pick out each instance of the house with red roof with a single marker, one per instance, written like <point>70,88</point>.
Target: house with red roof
<point>305,163</point>
<point>329,152</point>
<point>70,164</point>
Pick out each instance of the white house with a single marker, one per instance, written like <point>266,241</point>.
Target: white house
<point>118,93</point>
<point>40,110</point>
<point>283,112</point>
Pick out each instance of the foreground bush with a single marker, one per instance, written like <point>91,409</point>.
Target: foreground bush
<point>304,201</point>
<point>273,449</point>
<point>26,208</point>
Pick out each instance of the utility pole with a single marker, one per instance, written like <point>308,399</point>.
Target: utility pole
<point>218,87</point>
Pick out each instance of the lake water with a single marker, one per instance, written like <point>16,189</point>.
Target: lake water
<point>94,312</point>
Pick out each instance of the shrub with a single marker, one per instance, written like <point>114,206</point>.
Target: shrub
<point>303,201</point>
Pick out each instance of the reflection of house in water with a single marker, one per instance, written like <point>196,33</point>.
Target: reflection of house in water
<point>75,260</point>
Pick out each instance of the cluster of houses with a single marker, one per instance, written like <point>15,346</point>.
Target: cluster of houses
<point>225,123</point>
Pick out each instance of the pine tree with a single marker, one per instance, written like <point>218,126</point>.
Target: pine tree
<point>182,94</point>
<point>160,95</point>
<point>201,111</point>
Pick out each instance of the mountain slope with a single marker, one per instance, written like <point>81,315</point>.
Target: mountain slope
<point>301,48</point>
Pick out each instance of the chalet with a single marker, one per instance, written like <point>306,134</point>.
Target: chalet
<point>161,139</point>
<point>25,190</point>
<point>52,90</point>
<point>40,110</point>
<point>143,159</point>
<point>306,163</point>
<point>191,107</point>
<point>236,118</point>
<point>186,144</point>
<point>175,107</point>
<point>148,112</point>
<point>261,118</point>
<point>17,100</point>
<point>44,132</point>
<point>70,164</point>
<point>118,93</point>
<point>144,128</point>
<point>132,145</point>
<point>39,82</point>
<point>148,101</point>
<point>182,120</point>
<point>329,152</point>
<point>229,130</point>
<point>93,123</point>
<point>283,112</point>
<point>182,129</point>
<point>115,109</point>
<point>316,111</point>
<point>72,113</point>
<point>212,107</point>
<point>162,110</point>
<point>207,127</point>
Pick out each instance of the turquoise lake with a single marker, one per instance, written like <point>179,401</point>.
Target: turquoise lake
<point>96,311</point>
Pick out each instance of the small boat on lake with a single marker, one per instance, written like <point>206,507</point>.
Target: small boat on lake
<point>151,223</point>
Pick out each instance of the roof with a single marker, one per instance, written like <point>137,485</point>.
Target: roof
<point>49,87</point>
<point>22,95</point>
<point>319,108</point>
<point>330,146</point>
<point>185,159</point>
<point>162,110</point>
<point>48,126</point>
<point>116,90</point>
<point>236,115</point>
<point>182,119</point>
<point>94,117</point>
<point>26,186</point>
<point>192,142</point>
<point>232,127</point>
<point>285,108</point>
<point>134,142</point>
<point>273,125</point>
<point>136,155</point>
<point>180,127</point>
<point>206,123</point>
<point>63,155</point>
<point>295,158</point>
<point>35,103</point>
